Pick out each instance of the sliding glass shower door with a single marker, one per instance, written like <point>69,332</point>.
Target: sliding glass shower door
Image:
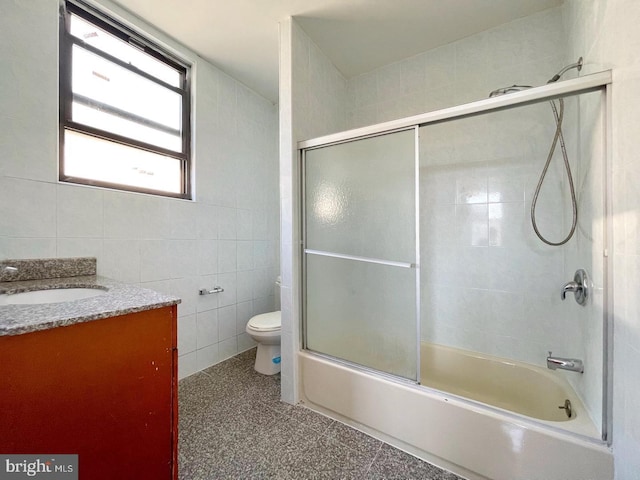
<point>360,256</point>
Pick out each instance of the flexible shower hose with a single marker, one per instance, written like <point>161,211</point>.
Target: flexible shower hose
<point>574,206</point>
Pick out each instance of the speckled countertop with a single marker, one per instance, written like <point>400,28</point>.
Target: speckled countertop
<point>119,299</point>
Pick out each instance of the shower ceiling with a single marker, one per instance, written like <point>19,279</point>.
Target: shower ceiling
<point>241,36</point>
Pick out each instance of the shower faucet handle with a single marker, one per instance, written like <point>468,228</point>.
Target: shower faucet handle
<point>570,287</point>
<point>579,286</point>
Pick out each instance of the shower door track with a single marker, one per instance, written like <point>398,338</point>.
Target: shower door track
<point>585,84</point>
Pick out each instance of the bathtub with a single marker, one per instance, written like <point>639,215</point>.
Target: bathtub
<point>519,435</point>
<point>517,387</point>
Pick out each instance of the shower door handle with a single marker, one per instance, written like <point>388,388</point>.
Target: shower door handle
<point>579,286</point>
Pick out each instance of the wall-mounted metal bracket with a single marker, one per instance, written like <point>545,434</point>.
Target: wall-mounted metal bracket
<point>206,291</point>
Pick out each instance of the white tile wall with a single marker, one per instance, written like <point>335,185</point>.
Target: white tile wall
<point>31,96</point>
<point>15,247</point>
<point>188,364</point>
<point>69,247</point>
<point>244,311</point>
<point>79,212</point>
<point>491,185</point>
<point>228,348</point>
<point>207,328</point>
<point>606,33</point>
<point>28,208</point>
<point>476,240</point>
<point>227,322</point>
<point>476,190</point>
<point>527,51</point>
<point>207,356</point>
<point>183,218</point>
<point>171,245</point>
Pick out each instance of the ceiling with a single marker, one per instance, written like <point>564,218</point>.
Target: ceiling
<point>241,36</point>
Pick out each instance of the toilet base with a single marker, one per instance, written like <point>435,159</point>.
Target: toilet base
<point>264,359</point>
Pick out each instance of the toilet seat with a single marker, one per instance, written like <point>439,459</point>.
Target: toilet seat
<point>266,322</point>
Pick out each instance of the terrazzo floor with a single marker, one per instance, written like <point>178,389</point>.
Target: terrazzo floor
<point>233,426</point>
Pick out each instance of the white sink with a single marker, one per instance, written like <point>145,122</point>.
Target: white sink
<point>56,295</point>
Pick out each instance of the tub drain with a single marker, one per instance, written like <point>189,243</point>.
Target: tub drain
<point>567,408</point>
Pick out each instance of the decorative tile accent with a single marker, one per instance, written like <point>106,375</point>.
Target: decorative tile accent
<point>39,268</point>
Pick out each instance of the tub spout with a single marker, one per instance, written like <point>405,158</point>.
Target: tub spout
<point>571,364</point>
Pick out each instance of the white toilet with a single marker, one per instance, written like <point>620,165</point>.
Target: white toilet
<point>265,330</point>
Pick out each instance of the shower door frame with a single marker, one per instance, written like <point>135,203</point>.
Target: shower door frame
<point>596,82</point>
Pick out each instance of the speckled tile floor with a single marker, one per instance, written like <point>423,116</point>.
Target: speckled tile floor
<point>233,426</point>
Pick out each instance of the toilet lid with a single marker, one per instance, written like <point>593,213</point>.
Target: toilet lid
<point>266,322</point>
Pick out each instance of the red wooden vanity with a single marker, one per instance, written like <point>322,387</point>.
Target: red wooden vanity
<point>103,389</point>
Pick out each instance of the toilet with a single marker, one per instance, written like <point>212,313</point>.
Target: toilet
<point>265,330</point>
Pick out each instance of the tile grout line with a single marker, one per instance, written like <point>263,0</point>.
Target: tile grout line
<point>373,460</point>
<point>345,446</point>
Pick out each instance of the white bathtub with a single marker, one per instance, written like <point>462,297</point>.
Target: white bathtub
<point>470,439</point>
<point>514,386</point>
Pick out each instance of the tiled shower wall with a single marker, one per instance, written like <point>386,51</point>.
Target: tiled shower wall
<point>488,283</point>
<point>528,51</point>
<point>227,237</point>
<point>606,31</point>
<point>478,176</point>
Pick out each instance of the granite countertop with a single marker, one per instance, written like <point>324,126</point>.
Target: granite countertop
<point>119,299</point>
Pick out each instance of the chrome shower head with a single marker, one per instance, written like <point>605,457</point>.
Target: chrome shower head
<point>577,65</point>
<point>511,89</point>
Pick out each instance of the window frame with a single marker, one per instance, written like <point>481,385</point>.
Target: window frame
<point>143,43</point>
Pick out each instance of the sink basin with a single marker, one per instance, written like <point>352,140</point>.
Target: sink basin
<point>56,295</point>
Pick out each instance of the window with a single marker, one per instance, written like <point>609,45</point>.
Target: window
<point>124,108</point>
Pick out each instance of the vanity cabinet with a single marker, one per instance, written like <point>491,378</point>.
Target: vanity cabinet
<point>103,389</point>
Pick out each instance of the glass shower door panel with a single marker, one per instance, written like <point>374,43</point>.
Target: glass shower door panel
<point>360,197</point>
<point>360,252</point>
<point>362,312</point>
